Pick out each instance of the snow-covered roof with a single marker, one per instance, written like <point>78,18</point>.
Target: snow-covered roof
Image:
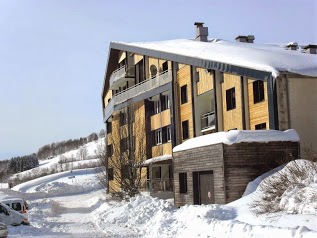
<point>157,159</point>
<point>237,136</point>
<point>262,57</point>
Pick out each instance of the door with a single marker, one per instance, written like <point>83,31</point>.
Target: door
<point>206,187</point>
<point>5,215</point>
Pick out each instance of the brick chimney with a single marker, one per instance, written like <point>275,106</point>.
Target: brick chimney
<point>310,49</point>
<point>245,39</point>
<point>292,46</point>
<point>201,32</point>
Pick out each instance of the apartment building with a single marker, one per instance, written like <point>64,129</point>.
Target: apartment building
<point>180,89</point>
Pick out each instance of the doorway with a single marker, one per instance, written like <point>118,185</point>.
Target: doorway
<point>203,182</point>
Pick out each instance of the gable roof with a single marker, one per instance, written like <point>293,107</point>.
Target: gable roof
<point>260,61</point>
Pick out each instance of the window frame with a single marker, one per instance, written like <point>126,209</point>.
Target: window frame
<point>260,126</point>
<point>231,99</point>
<point>183,186</point>
<point>185,133</point>
<point>184,94</point>
<point>258,91</point>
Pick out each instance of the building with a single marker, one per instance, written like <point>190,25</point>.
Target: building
<point>181,89</point>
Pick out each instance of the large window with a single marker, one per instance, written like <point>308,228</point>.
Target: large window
<point>165,102</point>
<point>166,134</point>
<point>182,182</point>
<point>123,118</point>
<point>110,174</point>
<point>109,150</point>
<point>185,130</point>
<point>109,127</point>
<point>258,91</point>
<point>157,107</point>
<point>184,98</point>
<point>231,99</point>
<point>158,137</point>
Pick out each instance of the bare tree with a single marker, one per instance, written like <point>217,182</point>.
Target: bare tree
<point>123,157</point>
<point>82,153</point>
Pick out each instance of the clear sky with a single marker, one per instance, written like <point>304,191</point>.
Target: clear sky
<point>53,53</point>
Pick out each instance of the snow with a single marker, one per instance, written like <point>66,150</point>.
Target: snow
<point>77,207</point>
<point>157,159</point>
<point>262,57</point>
<point>238,136</point>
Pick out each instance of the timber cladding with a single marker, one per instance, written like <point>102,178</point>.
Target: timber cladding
<point>205,82</point>
<point>233,166</point>
<point>232,119</point>
<point>199,159</point>
<point>186,109</point>
<point>259,112</point>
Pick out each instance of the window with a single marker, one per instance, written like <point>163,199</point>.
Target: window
<point>184,98</point>
<point>110,174</point>
<point>109,150</point>
<point>158,137</point>
<point>261,126</point>
<point>125,171</point>
<point>123,118</point>
<point>231,99</point>
<point>166,134</point>
<point>156,172</point>
<point>165,102</point>
<point>109,126</point>
<point>165,66</point>
<point>169,135</point>
<point>197,77</point>
<point>258,91</point>
<point>182,182</point>
<point>157,108</point>
<point>185,130</point>
<point>123,144</point>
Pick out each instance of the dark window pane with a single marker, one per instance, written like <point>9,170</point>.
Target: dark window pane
<point>110,173</point>
<point>185,129</point>
<point>258,91</point>
<point>231,99</point>
<point>184,98</point>
<point>261,126</point>
<point>182,182</point>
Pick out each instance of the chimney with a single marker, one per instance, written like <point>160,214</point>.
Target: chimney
<point>292,46</point>
<point>201,32</point>
<point>251,38</point>
<point>310,49</point>
<point>245,39</point>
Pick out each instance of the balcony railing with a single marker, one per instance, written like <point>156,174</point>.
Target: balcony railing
<point>145,86</point>
<point>158,184</point>
<point>121,75</point>
<point>208,120</point>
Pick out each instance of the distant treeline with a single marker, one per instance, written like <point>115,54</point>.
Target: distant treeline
<point>58,148</point>
<point>23,163</point>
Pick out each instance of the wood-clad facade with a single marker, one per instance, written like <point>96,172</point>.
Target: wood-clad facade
<point>232,167</point>
<point>176,99</point>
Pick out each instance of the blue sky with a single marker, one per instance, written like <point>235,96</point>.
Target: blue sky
<point>53,53</point>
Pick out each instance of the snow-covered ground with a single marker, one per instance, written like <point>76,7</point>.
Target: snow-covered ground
<point>74,205</point>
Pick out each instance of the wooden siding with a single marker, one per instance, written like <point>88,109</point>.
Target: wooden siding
<point>186,109</point>
<point>137,58</point>
<point>163,149</point>
<point>197,160</point>
<point>243,162</point>
<point>232,119</point>
<point>122,56</point>
<point>107,97</point>
<point>258,112</point>
<point>233,166</point>
<point>160,120</point>
<point>205,83</point>
<point>119,132</point>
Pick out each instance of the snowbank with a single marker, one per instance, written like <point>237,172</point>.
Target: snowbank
<point>237,136</point>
